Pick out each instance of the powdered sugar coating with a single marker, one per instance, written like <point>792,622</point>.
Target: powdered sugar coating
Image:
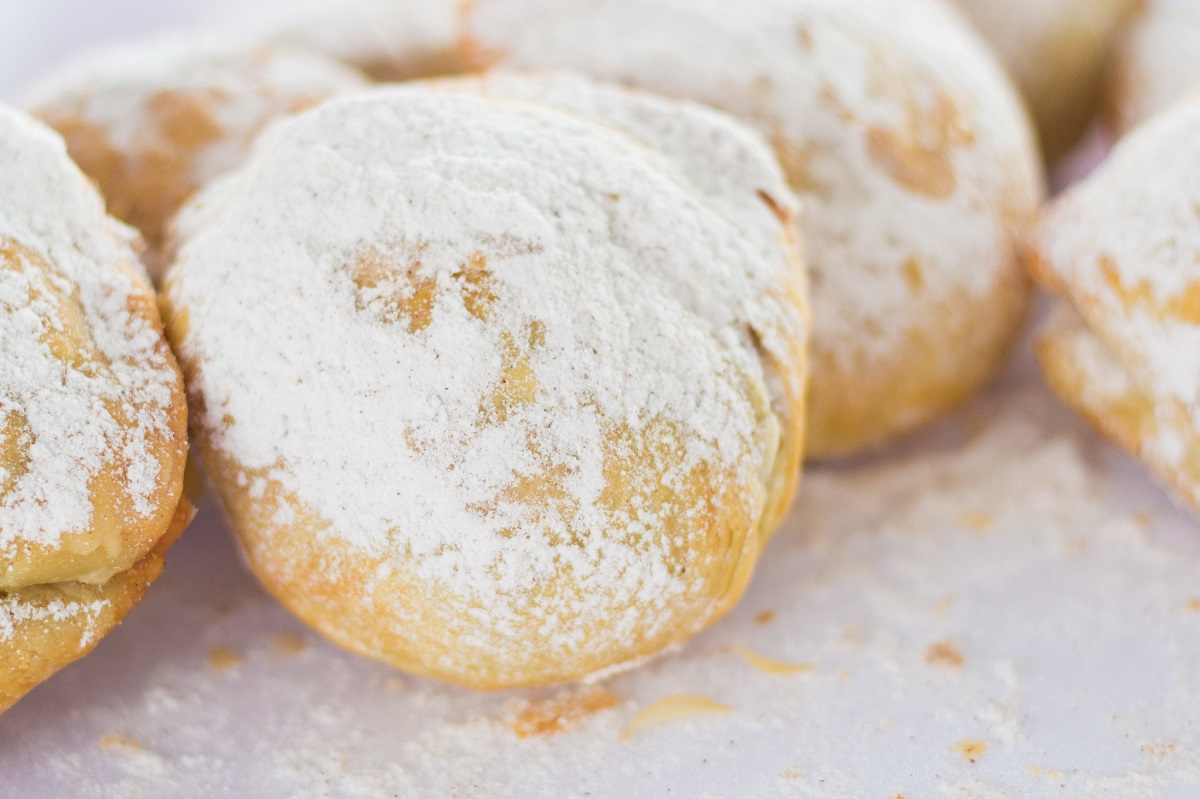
<point>1124,246</point>
<point>1156,64</point>
<point>814,75</point>
<point>526,249</point>
<point>83,379</point>
<point>1094,380</point>
<point>910,150</point>
<point>14,612</point>
<point>153,121</point>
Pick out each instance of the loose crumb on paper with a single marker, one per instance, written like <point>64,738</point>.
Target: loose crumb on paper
<point>969,748</point>
<point>975,522</point>
<point>559,714</point>
<point>223,658</point>
<point>769,665</point>
<point>673,708</point>
<point>288,644</point>
<point>945,655</point>
<point>120,744</point>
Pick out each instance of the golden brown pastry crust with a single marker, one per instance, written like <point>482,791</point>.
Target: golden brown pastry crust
<point>1094,384</point>
<point>46,627</point>
<point>1122,250</point>
<point>114,538</point>
<point>93,422</point>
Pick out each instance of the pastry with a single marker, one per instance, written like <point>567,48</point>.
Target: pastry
<point>1122,251</point>
<point>390,40</point>
<point>1157,62</point>
<point>154,121</point>
<point>499,382</point>
<point>1056,51</point>
<point>909,149</point>
<point>93,423</point>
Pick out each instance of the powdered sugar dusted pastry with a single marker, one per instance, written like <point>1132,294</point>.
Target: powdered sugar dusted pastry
<point>500,382</point>
<point>1056,51</point>
<point>911,153</point>
<point>92,416</point>
<point>1157,63</point>
<point>152,122</point>
<point>1123,249</point>
<point>387,39</point>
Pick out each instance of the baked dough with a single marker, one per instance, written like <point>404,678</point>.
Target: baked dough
<point>154,121</point>
<point>1122,250</point>
<point>390,40</point>
<point>1056,50</point>
<point>93,423</point>
<point>500,382</point>
<point>1157,63</point>
<point>46,627</point>
<point>910,151</point>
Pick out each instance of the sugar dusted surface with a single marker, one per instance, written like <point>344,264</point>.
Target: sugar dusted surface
<point>1126,244</point>
<point>816,77</point>
<point>1074,611</point>
<point>48,210</point>
<point>1107,383</point>
<point>15,612</point>
<point>240,87</point>
<point>642,275</point>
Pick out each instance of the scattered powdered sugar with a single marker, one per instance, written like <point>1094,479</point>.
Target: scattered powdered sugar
<point>82,380</point>
<point>909,148</point>
<point>1125,245</point>
<point>414,304</point>
<point>1072,613</point>
<point>15,612</point>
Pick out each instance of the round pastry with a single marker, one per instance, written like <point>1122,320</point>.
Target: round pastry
<point>1122,250</point>
<point>93,423</point>
<point>499,382</point>
<point>1056,51</point>
<point>152,122</point>
<point>390,40</point>
<point>910,151</point>
<point>1157,62</point>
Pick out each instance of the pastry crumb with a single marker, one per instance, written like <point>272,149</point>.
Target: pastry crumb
<point>223,658</point>
<point>673,708</point>
<point>120,744</point>
<point>970,749</point>
<point>564,713</point>
<point>769,665</point>
<point>944,654</point>
<point>975,522</point>
<point>288,644</point>
<point>1039,771</point>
